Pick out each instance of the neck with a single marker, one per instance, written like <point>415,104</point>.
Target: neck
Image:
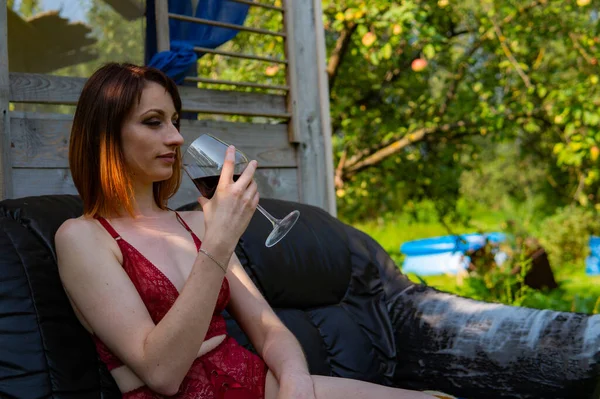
<point>144,204</point>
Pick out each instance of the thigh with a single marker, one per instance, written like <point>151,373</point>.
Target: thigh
<point>271,386</point>
<point>344,388</point>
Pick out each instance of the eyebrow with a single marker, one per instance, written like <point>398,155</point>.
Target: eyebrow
<point>158,111</point>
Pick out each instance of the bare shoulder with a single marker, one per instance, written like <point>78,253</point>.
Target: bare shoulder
<point>75,231</point>
<point>83,235</point>
<point>75,227</point>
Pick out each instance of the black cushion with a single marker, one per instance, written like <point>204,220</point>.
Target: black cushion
<point>325,286</point>
<point>338,291</point>
<point>44,350</point>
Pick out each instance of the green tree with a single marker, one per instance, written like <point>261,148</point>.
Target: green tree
<point>422,79</point>
<point>421,90</point>
<point>118,40</point>
<point>27,8</point>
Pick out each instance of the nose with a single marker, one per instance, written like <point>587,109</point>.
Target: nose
<point>174,138</point>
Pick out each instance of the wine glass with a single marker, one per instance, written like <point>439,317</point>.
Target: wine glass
<point>203,162</point>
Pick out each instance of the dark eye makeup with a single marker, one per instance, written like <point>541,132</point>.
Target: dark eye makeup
<point>155,122</point>
<point>152,122</point>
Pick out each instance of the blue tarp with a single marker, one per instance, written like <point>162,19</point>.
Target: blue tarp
<point>592,262</point>
<point>446,254</point>
<point>180,61</point>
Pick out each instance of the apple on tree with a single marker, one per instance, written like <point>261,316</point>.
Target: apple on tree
<point>419,64</point>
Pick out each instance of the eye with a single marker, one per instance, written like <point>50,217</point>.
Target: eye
<point>152,122</point>
<point>176,123</point>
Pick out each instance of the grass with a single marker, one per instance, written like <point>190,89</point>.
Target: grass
<point>390,233</point>
<point>577,291</point>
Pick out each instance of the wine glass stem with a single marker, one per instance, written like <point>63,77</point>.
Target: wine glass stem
<point>268,215</point>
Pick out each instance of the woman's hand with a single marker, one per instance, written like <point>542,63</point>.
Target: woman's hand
<point>296,386</point>
<point>228,212</point>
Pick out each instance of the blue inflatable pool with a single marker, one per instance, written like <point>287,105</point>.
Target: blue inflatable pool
<point>592,262</point>
<point>445,254</point>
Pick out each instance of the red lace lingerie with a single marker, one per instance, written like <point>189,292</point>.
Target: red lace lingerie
<point>227,372</point>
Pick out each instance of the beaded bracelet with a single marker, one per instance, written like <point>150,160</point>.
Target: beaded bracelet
<point>222,266</point>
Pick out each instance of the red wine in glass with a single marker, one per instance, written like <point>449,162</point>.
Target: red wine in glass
<point>203,162</point>
<point>208,184</point>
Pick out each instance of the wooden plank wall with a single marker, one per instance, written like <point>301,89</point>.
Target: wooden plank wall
<point>50,89</point>
<point>5,163</point>
<point>39,142</point>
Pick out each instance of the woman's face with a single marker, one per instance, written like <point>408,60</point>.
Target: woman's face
<point>149,136</point>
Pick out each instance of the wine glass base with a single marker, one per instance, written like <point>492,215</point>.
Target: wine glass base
<point>282,228</point>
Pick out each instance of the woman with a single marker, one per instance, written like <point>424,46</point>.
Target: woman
<point>149,283</point>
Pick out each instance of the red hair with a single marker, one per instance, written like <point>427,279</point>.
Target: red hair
<point>96,156</point>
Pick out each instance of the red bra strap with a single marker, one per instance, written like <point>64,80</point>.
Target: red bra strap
<point>108,227</point>
<point>116,235</point>
<point>196,239</point>
<point>182,221</point>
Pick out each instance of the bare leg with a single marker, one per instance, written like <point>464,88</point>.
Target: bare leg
<point>343,388</point>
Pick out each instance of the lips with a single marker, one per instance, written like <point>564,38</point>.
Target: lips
<point>167,158</point>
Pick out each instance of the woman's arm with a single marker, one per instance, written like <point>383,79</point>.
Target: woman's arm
<point>160,354</point>
<point>272,339</point>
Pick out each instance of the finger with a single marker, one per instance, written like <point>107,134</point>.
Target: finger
<point>246,176</point>
<point>253,186</point>
<point>255,199</point>
<point>251,191</point>
<point>228,166</point>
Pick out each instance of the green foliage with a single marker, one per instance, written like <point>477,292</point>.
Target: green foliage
<point>419,220</point>
<point>243,70</point>
<point>522,74</point>
<point>504,284</point>
<point>27,8</point>
<point>509,175</point>
<point>118,40</point>
<point>577,292</point>
<point>565,234</point>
